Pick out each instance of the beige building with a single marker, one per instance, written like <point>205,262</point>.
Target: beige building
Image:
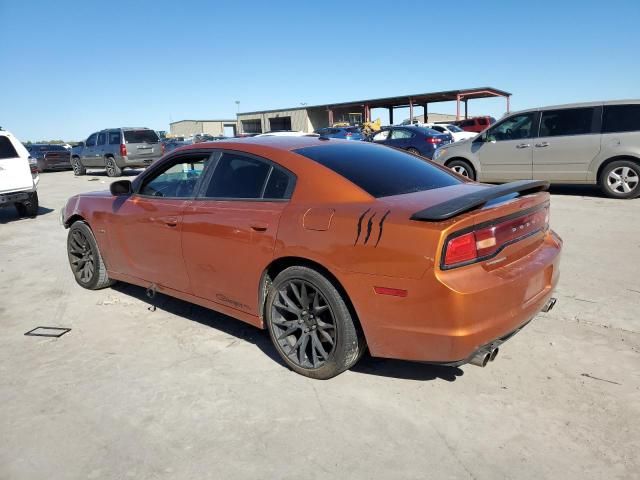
<point>187,128</point>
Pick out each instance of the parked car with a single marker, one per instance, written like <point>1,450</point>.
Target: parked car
<point>115,149</point>
<point>18,176</point>
<point>456,132</point>
<point>475,124</point>
<point>50,157</point>
<point>331,245</point>
<point>417,140</point>
<point>591,143</point>
<point>347,133</point>
<point>172,144</point>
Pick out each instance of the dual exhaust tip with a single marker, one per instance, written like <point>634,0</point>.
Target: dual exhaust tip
<point>482,357</point>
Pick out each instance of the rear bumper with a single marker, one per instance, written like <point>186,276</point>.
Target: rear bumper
<point>447,316</point>
<point>7,199</point>
<point>136,162</point>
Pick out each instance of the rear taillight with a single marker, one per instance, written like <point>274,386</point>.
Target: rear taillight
<point>485,242</point>
<point>433,140</point>
<point>348,136</point>
<point>123,150</point>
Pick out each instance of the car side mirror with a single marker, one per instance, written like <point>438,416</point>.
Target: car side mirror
<point>121,187</point>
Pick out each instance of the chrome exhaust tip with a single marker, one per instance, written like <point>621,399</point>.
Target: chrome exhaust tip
<point>494,354</point>
<point>550,304</point>
<point>480,359</point>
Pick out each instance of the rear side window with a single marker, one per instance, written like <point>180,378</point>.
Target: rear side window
<point>570,121</point>
<point>114,138</point>
<point>400,134</point>
<point>378,170</point>
<point>621,118</point>
<point>140,136</point>
<point>278,185</point>
<point>6,148</point>
<point>237,176</point>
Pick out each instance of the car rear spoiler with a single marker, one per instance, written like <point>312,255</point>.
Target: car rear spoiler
<point>458,205</point>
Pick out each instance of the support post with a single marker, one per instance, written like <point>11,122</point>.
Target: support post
<point>458,107</point>
<point>390,115</point>
<point>426,113</point>
<point>410,111</point>
<point>466,100</point>
<point>330,117</point>
<point>508,103</point>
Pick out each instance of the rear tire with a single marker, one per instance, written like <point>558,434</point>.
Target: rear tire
<point>311,325</point>
<point>414,151</point>
<point>78,168</point>
<point>85,259</point>
<point>113,170</point>
<point>462,167</point>
<point>28,208</point>
<point>620,179</point>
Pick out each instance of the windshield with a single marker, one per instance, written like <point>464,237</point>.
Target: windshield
<point>380,171</point>
<point>140,136</point>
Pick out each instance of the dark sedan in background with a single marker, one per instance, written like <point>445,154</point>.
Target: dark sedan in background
<point>50,157</point>
<point>417,140</point>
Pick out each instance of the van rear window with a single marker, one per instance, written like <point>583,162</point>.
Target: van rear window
<point>140,136</point>
<point>380,171</point>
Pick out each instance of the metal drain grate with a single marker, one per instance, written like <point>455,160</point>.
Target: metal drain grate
<point>47,332</point>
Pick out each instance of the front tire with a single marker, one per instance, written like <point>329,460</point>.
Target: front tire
<point>310,324</point>
<point>462,167</point>
<point>78,168</point>
<point>621,179</point>
<point>113,170</point>
<point>85,259</point>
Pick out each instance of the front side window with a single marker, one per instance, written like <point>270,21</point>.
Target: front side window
<point>467,123</point>
<point>7,149</point>
<point>178,180</point>
<point>238,176</point>
<point>570,121</point>
<point>114,138</point>
<point>513,128</point>
<point>621,118</point>
<point>91,141</point>
<point>102,137</point>
<point>401,134</point>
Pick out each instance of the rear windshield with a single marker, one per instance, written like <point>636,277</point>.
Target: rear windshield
<point>380,171</point>
<point>140,136</point>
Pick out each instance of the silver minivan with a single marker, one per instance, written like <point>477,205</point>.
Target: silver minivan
<point>593,143</point>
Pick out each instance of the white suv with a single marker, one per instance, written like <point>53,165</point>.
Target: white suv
<point>18,176</point>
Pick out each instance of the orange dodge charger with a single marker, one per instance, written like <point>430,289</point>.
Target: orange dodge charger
<point>332,245</point>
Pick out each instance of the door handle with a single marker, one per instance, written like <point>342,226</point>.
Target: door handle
<point>523,145</point>
<point>259,226</point>
<point>542,144</point>
<point>171,221</point>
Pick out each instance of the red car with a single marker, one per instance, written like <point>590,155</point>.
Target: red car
<point>331,245</point>
<point>475,124</point>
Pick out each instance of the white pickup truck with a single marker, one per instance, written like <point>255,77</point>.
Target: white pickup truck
<point>18,176</point>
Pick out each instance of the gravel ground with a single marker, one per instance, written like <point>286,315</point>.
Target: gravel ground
<point>186,393</point>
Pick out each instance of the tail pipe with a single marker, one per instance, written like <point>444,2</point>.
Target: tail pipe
<point>484,356</point>
<point>550,304</point>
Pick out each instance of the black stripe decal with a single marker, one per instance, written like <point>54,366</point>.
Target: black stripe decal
<point>360,225</point>
<point>369,225</point>
<point>381,223</point>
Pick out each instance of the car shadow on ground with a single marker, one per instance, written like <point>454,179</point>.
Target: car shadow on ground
<point>260,338</point>
<point>577,190</point>
<point>9,214</point>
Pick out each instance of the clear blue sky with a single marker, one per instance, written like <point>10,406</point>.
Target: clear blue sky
<point>72,67</point>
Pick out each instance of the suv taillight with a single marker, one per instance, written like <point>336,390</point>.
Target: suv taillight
<point>433,140</point>
<point>123,150</point>
<point>486,242</point>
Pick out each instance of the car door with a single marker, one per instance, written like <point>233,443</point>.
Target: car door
<point>88,155</point>
<point>505,151</point>
<point>400,138</point>
<point>229,231</point>
<point>100,149</point>
<point>145,230</point>
<point>567,142</point>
